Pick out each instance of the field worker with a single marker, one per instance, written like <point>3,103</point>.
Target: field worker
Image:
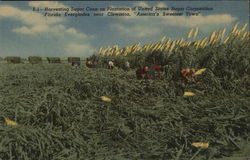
<point>95,63</point>
<point>145,72</point>
<point>151,73</point>
<point>142,72</point>
<point>127,66</point>
<point>139,73</point>
<point>77,63</point>
<point>110,64</point>
<point>157,69</point>
<point>89,63</point>
<point>187,74</point>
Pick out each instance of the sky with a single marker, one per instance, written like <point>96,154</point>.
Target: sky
<point>24,32</point>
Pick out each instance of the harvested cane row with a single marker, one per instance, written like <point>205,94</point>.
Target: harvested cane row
<point>59,114</point>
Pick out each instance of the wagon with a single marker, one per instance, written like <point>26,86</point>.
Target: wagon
<point>54,59</point>
<point>74,60</point>
<point>13,59</point>
<point>34,59</point>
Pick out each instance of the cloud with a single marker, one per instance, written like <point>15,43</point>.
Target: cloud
<point>213,20</point>
<point>136,30</point>
<point>161,4</point>
<point>51,4</point>
<point>27,17</point>
<point>144,26</point>
<point>40,28</point>
<point>141,4</point>
<point>79,50</point>
<point>31,31</point>
<point>59,30</point>
<point>35,23</point>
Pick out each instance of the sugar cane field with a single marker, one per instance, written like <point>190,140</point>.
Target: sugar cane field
<point>59,111</point>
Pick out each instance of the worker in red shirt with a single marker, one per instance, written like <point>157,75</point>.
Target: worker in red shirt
<point>142,72</point>
<point>156,69</point>
<point>187,74</point>
<point>149,72</point>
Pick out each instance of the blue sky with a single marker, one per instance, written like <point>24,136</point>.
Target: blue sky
<point>27,33</point>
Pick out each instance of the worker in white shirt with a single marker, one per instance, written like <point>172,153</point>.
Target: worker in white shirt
<point>110,64</point>
<point>127,66</point>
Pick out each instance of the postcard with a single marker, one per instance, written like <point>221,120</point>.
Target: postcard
<point>124,80</point>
